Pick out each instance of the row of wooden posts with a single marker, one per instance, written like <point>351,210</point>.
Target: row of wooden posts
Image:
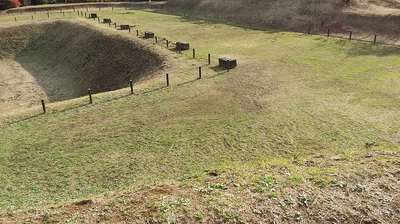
<point>68,9</point>
<point>167,79</point>
<point>48,16</point>
<point>329,33</point>
<point>146,34</point>
<point>131,88</point>
<point>112,8</point>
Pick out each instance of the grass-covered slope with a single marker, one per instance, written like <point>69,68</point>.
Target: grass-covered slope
<point>305,129</point>
<point>364,18</point>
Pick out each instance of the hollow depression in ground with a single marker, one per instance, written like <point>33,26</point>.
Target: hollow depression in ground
<point>60,60</point>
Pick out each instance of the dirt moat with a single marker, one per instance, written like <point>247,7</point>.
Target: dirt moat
<point>60,60</point>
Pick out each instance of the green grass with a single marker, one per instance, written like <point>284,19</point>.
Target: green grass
<point>293,102</point>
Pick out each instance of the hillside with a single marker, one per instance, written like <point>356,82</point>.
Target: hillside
<point>364,18</point>
<point>306,129</point>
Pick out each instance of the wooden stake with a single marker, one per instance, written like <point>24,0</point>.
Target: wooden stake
<point>131,84</point>
<point>167,77</point>
<point>43,106</point>
<point>90,96</point>
<point>199,72</point>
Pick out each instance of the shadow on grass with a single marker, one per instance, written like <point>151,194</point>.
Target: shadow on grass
<point>219,70</point>
<point>360,47</point>
<point>25,119</point>
<point>74,107</point>
<point>188,82</point>
<point>357,48</point>
<point>70,108</point>
<point>154,90</point>
<point>190,17</point>
<point>116,98</point>
<point>363,49</point>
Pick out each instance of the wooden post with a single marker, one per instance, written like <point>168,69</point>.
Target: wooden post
<point>43,106</point>
<point>129,29</point>
<point>48,15</point>
<point>329,30</point>
<point>167,77</point>
<point>167,43</point>
<point>194,53</point>
<point>351,33</point>
<point>137,33</point>
<point>32,17</point>
<point>109,24</point>
<point>375,38</point>
<point>209,59</point>
<point>90,96</point>
<point>131,85</point>
<point>199,72</point>
<point>15,19</point>
<point>309,29</point>
<point>156,39</point>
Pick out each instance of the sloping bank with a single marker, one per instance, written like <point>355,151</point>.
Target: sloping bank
<point>67,57</point>
<point>298,15</point>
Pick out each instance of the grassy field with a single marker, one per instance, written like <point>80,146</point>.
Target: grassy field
<point>300,113</point>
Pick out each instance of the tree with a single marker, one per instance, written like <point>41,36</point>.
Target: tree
<point>14,4</point>
<point>6,4</point>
